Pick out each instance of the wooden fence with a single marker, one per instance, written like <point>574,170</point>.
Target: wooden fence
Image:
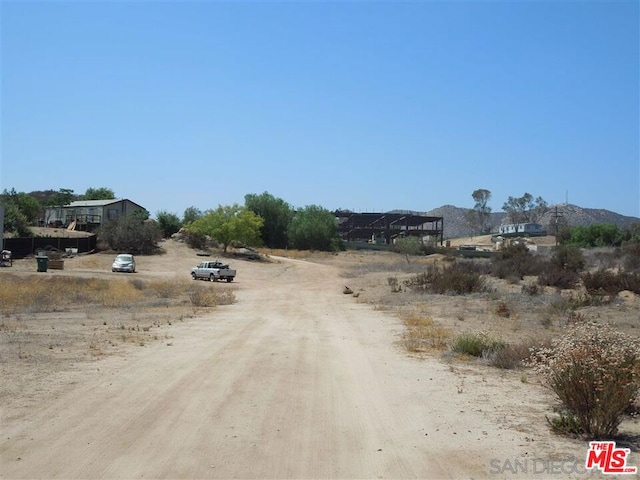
<point>24,247</point>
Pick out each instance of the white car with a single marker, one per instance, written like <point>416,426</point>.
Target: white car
<point>124,263</point>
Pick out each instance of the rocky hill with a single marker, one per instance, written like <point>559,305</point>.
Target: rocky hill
<point>455,223</point>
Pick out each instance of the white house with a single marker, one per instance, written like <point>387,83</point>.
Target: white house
<point>521,229</point>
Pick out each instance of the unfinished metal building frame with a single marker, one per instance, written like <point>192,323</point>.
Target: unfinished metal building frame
<point>366,227</point>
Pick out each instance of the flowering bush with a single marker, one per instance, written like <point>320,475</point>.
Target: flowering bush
<point>595,371</point>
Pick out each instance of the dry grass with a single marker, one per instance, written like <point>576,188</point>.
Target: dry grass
<point>20,294</point>
<point>32,294</point>
<point>422,334</point>
<point>63,318</point>
<point>211,297</point>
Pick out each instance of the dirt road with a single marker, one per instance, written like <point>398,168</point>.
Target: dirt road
<point>295,380</point>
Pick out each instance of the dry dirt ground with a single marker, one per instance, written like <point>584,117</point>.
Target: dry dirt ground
<point>294,380</point>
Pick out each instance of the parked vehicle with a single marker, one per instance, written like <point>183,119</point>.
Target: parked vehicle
<point>124,263</point>
<point>213,271</point>
<point>6,260</point>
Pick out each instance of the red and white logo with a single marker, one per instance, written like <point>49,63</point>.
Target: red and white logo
<point>609,459</point>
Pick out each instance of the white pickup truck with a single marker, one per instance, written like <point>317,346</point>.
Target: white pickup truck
<point>213,271</point>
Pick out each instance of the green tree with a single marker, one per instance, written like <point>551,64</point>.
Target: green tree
<point>314,228</point>
<point>229,224</point>
<point>169,223</point>
<point>28,205</point>
<point>15,222</point>
<point>525,209</point>
<point>478,216</point>
<point>631,234</point>
<point>596,235</point>
<point>141,215</point>
<point>408,246</point>
<point>62,197</point>
<point>277,215</point>
<point>191,214</point>
<point>131,234</point>
<point>101,193</point>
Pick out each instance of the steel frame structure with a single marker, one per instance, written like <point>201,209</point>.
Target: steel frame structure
<point>368,226</point>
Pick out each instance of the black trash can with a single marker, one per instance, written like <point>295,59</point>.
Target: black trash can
<point>43,263</point>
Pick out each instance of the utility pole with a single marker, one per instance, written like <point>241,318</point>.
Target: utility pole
<point>556,215</point>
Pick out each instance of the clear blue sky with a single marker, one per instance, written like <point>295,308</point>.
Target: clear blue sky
<point>369,106</point>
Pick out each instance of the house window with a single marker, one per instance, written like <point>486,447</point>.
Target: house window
<point>112,213</point>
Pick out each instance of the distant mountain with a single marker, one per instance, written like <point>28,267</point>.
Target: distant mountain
<point>455,223</point>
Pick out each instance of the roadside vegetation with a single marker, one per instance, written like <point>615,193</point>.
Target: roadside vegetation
<point>49,317</point>
<point>36,294</point>
<point>567,319</point>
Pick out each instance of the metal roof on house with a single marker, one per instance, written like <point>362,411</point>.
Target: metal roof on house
<point>93,203</point>
<point>99,203</point>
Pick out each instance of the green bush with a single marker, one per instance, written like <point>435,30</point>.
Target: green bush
<point>567,258</point>
<point>595,372</point>
<point>196,240</point>
<point>565,424</point>
<point>596,235</point>
<point>131,234</point>
<point>169,223</point>
<point>476,344</point>
<point>408,246</point>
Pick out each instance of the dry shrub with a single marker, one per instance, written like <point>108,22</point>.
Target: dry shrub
<point>559,278</point>
<point>422,334</point>
<point>606,282</point>
<point>458,278</point>
<point>211,297</point>
<point>512,355</point>
<point>167,288</point>
<point>631,257</point>
<point>595,372</point>
<point>531,289</point>
<point>394,284</point>
<point>516,261</point>
<point>503,309</point>
<point>117,293</point>
<point>563,305</point>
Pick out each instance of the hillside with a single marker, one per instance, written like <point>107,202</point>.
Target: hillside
<point>455,224</point>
